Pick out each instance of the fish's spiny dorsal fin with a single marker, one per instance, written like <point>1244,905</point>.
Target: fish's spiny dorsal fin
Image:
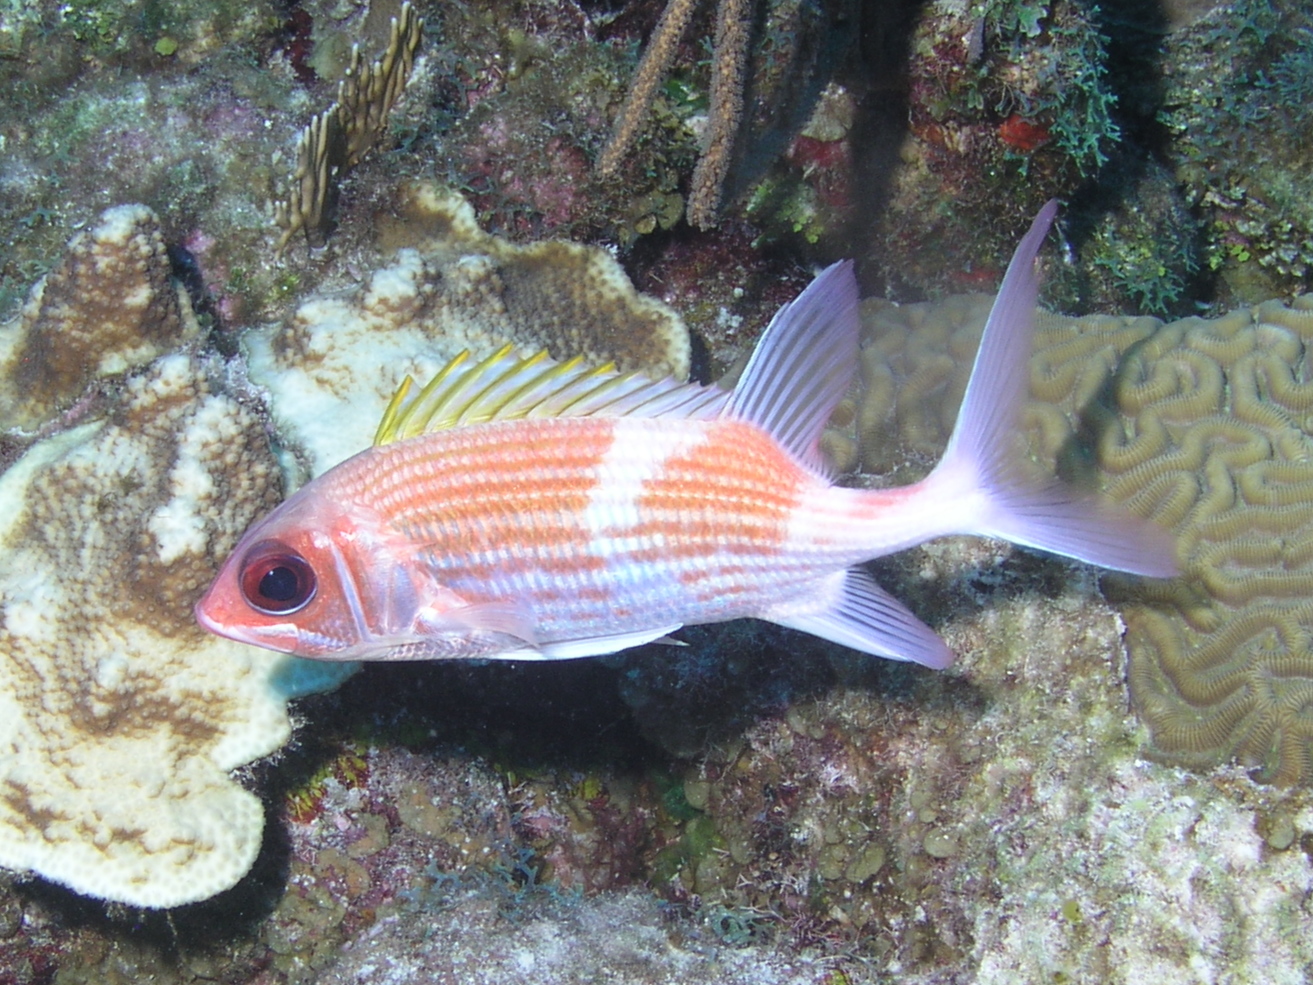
<point>803,365</point>
<point>507,386</point>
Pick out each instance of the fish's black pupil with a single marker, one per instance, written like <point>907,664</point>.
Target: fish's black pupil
<point>279,584</point>
<point>276,580</point>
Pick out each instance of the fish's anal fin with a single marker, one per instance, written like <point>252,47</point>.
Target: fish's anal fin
<point>507,386</point>
<point>860,614</point>
<point>803,364</point>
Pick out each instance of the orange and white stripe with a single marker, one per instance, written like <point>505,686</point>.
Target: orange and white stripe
<point>523,508</point>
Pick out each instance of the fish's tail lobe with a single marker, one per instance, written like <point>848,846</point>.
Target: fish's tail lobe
<point>980,473</point>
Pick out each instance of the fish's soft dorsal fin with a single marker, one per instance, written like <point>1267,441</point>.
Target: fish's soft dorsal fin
<point>507,386</point>
<point>803,364</point>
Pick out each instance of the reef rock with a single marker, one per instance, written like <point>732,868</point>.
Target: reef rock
<point>1205,425</point>
<point>331,368</point>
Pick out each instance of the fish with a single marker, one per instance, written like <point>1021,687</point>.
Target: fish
<point>528,509</point>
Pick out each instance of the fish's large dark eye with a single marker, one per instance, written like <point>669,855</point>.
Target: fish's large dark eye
<point>276,580</point>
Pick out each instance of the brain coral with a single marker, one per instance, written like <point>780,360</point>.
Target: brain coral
<point>1204,425</point>
<point>119,719</point>
<point>332,366</point>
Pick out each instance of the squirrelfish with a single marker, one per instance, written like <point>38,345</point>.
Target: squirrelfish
<point>528,509</point>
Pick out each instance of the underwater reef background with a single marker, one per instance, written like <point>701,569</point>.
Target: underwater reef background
<point>759,805</point>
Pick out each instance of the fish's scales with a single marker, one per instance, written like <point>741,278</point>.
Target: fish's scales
<point>577,525</point>
<point>594,521</point>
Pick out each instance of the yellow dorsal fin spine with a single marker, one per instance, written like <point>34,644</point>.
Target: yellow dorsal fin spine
<point>514,386</point>
<point>387,427</point>
<point>464,394</point>
<point>594,396</point>
<point>506,387</point>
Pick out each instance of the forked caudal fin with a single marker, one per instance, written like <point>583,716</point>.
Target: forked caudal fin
<point>980,467</point>
<point>799,372</point>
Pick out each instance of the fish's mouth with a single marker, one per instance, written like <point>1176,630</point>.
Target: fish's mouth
<point>283,637</point>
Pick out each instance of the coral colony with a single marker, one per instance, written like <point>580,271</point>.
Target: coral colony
<point>121,724</point>
<point>1206,429</point>
<point>142,498</point>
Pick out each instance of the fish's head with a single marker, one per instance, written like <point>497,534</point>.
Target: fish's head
<point>315,579</point>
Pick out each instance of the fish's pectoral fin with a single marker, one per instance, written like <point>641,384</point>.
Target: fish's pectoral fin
<point>507,631</point>
<point>508,619</point>
<point>596,646</point>
<point>856,612</point>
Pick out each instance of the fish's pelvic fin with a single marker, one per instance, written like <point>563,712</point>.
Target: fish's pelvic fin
<point>597,646</point>
<point>802,365</point>
<point>856,612</point>
<point>981,473</point>
<point>509,627</point>
<point>506,619</point>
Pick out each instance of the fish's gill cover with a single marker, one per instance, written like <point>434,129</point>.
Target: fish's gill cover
<point>120,720</point>
<point>1204,425</point>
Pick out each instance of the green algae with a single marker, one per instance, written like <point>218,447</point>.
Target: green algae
<point>1238,109</point>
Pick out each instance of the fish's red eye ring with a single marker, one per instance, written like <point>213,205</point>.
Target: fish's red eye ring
<point>276,580</point>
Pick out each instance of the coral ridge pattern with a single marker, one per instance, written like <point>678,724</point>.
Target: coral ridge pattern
<point>1204,425</point>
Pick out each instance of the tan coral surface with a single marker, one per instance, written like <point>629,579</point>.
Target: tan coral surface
<point>1203,425</point>
<point>331,368</point>
<point>109,306</point>
<point>121,719</point>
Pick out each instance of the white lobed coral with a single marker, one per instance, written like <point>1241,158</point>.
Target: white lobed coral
<point>331,368</point>
<point>120,719</point>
